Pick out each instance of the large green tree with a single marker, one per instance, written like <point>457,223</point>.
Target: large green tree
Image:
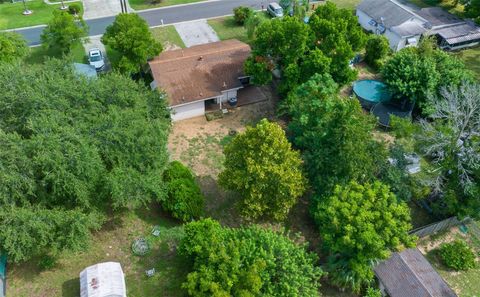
<point>63,31</point>
<point>131,37</point>
<point>12,47</point>
<point>249,261</point>
<point>73,147</point>
<point>334,134</point>
<point>361,224</point>
<point>262,167</point>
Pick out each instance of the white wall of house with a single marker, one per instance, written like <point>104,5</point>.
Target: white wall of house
<point>363,19</point>
<point>186,111</point>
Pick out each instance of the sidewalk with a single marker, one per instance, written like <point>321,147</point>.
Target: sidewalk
<point>94,9</point>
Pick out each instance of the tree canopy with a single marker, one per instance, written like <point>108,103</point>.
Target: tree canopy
<point>262,167</point>
<point>326,44</point>
<point>131,37</point>
<point>12,47</point>
<point>360,224</point>
<point>334,134</point>
<point>249,261</point>
<point>73,147</point>
<point>63,31</point>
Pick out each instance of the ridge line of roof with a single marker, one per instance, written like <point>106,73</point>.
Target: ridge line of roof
<point>414,273</point>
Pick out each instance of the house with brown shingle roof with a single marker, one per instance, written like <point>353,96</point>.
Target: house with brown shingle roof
<point>409,274</point>
<point>210,73</point>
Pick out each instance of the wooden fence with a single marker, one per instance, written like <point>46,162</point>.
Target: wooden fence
<point>438,226</point>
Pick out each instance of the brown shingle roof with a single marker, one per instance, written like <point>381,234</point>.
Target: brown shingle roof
<point>201,71</point>
<point>409,274</point>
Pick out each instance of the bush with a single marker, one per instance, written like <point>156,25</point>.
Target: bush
<point>457,255</point>
<point>184,199</point>
<point>241,14</point>
<point>371,292</point>
<point>376,50</point>
<point>74,8</point>
<point>47,262</point>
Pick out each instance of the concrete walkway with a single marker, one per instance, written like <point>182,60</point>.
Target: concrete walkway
<point>196,32</point>
<point>94,9</point>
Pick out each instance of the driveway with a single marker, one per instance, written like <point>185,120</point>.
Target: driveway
<point>196,32</point>
<point>94,9</point>
<point>94,42</point>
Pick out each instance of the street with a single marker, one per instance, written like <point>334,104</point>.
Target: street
<point>169,15</point>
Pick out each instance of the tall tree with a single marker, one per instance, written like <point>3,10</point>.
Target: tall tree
<point>361,224</point>
<point>249,261</point>
<point>131,37</point>
<point>63,31</point>
<point>73,148</point>
<point>262,167</point>
<point>334,134</point>
<point>451,142</point>
<point>12,47</point>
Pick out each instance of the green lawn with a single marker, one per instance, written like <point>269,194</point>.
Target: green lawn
<point>350,4</point>
<point>11,14</point>
<point>227,28</point>
<point>39,54</point>
<point>471,57</point>
<point>448,5</point>
<point>112,243</point>
<point>168,37</point>
<point>146,4</point>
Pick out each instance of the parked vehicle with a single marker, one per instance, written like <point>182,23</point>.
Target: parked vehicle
<point>95,58</point>
<point>275,10</point>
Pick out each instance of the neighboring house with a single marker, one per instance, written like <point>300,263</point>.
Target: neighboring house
<point>409,274</point>
<point>207,74</point>
<point>404,25</point>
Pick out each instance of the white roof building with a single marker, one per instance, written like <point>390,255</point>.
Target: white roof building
<point>103,280</point>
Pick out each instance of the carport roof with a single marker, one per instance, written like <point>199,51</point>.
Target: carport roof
<point>200,72</point>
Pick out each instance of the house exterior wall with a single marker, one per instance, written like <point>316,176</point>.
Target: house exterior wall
<point>227,95</point>
<point>363,19</point>
<point>187,111</point>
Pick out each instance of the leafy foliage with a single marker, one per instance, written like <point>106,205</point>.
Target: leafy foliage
<point>360,224</point>
<point>241,14</point>
<point>416,73</point>
<point>262,167</point>
<point>457,255</point>
<point>184,199</point>
<point>12,47</point>
<point>249,261</point>
<point>131,37</point>
<point>376,50</point>
<point>334,134</point>
<point>62,32</point>
<point>74,8</point>
<point>371,292</point>
<point>325,45</point>
<point>72,152</point>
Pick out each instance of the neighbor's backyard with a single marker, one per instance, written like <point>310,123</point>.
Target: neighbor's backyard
<point>11,14</point>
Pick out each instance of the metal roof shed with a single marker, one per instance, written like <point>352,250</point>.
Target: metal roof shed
<point>103,280</point>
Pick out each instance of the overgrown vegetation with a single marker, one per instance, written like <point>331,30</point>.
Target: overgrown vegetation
<point>457,255</point>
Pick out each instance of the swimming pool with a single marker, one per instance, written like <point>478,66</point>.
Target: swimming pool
<point>371,92</point>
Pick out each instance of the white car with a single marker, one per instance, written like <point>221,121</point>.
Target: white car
<point>95,58</point>
<point>275,10</point>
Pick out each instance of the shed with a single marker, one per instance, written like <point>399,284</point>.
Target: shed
<point>408,274</point>
<point>103,280</point>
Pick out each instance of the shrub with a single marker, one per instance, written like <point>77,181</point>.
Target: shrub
<point>47,262</point>
<point>371,292</point>
<point>74,8</point>
<point>376,50</point>
<point>241,14</point>
<point>184,199</point>
<point>457,255</point>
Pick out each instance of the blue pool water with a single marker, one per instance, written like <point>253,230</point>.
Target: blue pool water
<point>372,91</point>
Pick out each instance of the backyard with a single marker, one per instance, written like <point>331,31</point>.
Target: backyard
<point>11,14</point>
<point>465,283</point>
<point>471,57</point>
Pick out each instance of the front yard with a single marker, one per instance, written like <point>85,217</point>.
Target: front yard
<point>146,4</point>
<point>11,14</point>
<point>38,54</point>
<point>465,283</point>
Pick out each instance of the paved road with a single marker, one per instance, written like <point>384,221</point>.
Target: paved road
<point>169,15</point>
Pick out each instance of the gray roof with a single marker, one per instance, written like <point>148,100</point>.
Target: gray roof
<point>409,28</point>
<point>392,12</point>
<point>459,33</point>
<point>408,274</point>
<point>436,16</point>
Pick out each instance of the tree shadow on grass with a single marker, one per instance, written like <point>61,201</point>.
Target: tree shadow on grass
<point>71,288</point>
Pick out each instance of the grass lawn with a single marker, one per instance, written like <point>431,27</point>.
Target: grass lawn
<point>350,4</point>
<point>448,5</point>
<point>11,14</point>
<point>146,4</point>
<point>471,57</point>
<point>39,54</point>
<point>168,37</point>
<point>227,28</point>
<point>112,243</point>
<point>465,283</point>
